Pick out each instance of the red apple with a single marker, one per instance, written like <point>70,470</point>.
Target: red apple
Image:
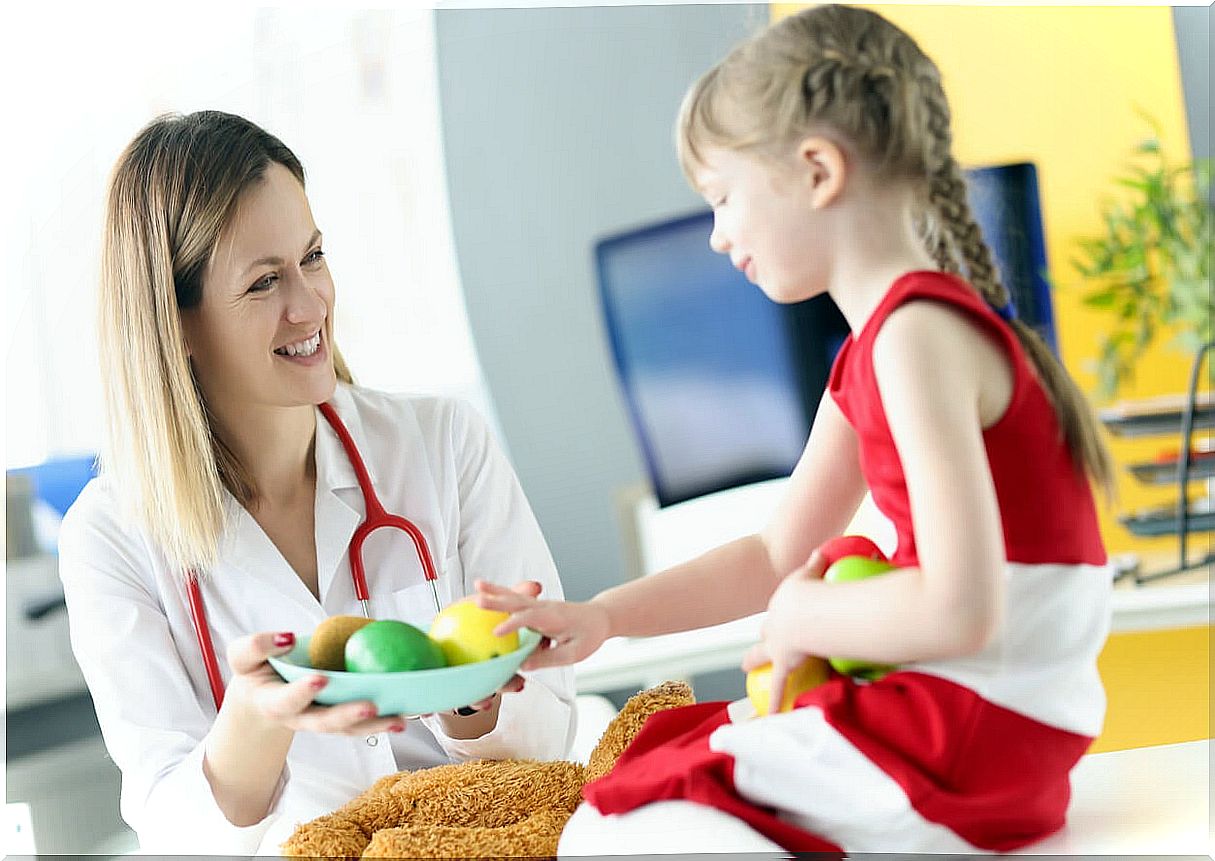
<point>849,545</point>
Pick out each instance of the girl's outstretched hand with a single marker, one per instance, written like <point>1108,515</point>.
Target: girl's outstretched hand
<point>571,630</point>
<point>784,621</point>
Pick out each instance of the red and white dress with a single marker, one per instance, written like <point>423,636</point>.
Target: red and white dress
<point>962,755</point>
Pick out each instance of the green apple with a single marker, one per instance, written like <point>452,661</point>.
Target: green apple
<point>389,646</point>
<point>846,570</point>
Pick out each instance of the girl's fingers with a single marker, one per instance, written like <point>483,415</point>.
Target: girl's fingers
<point>517,620</point>
<point>530,588</point>
<point>776,691</point>
<point>815,566</point>
<point>505,602</point>
<point>756,656</point>
<point>555,656</point>
<point>551,619</point>
<point>485,587</point>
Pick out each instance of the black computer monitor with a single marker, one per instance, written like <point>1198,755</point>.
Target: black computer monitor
<point>721,383</point>
<point>1005,201</point>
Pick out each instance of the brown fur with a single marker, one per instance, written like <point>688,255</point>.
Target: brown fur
<point>483,808</point>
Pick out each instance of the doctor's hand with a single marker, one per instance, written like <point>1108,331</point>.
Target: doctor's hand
<point>258,691</point>
<point>571,630</point>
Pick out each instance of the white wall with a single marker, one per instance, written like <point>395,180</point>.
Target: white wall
<point>353,93</point>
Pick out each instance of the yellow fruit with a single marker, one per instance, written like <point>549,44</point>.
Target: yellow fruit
<point>464,632</point>
<point>811,673</point>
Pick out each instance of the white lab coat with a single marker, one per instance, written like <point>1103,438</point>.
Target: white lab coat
<point>432,460</point>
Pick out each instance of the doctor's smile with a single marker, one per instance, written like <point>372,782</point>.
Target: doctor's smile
<point>307,352</point>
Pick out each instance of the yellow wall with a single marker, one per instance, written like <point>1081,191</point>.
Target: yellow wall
<point>1158,685</point>
<point>1059,86</point>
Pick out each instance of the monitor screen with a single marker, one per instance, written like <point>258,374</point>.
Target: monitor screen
<point>721,383</point>
<point>1005,202</point>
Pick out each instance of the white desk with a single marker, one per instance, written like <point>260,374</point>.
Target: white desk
<point>1149,801</point>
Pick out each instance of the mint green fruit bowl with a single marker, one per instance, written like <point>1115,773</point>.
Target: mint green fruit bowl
<point>410,693</point>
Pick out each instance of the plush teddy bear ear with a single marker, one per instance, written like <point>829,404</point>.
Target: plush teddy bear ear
<point>625,726</point>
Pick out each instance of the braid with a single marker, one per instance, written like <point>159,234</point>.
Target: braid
<point>936,241</point>
<point>948,195</point>
<point>947,201</point>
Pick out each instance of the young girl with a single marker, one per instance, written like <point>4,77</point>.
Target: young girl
<point>823,146</point>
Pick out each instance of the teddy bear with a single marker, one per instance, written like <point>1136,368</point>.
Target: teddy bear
<point>482,808</point>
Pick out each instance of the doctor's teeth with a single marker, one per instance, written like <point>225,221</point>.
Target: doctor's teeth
<point>303,348</point>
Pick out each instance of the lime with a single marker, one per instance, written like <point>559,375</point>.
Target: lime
<point>388,646</point>
<point>465,633</point>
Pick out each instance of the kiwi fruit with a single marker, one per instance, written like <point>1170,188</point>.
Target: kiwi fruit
<point>327,648</point>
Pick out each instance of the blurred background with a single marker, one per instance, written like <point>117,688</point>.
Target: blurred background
<point>506,222</point>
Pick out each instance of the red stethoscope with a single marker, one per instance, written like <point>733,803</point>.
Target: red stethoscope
<point>375,518</point>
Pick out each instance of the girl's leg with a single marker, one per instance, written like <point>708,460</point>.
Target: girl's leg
<point>664,827</point>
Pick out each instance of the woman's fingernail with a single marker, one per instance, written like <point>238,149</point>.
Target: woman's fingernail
<point>281,641</point>
<point>368,712</point>
<point>397,727</point>
<point>318,682</point>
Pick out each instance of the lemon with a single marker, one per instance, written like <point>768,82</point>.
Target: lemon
<point>810,673</point>
<point>465,633</point>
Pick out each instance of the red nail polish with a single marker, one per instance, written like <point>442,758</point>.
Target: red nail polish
<point>397,727</point>
<point>319,682</point>
<point>283,640</point>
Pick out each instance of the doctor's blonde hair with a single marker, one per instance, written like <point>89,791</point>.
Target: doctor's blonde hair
<point>171,195</point>
<point>849,72</point>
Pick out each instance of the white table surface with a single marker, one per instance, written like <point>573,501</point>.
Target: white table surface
<point>1144,801</point>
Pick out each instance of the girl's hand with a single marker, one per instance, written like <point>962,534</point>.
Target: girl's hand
<point>257,690</point>
<point>530,589</point>
<point>782,625</point>
<point>571,630</point>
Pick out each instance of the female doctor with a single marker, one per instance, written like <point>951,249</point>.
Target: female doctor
<point>221,471</point>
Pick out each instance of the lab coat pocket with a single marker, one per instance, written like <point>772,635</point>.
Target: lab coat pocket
<point>415,605</point>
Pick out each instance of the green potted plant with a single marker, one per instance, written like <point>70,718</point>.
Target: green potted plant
<point>1151,268</point>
